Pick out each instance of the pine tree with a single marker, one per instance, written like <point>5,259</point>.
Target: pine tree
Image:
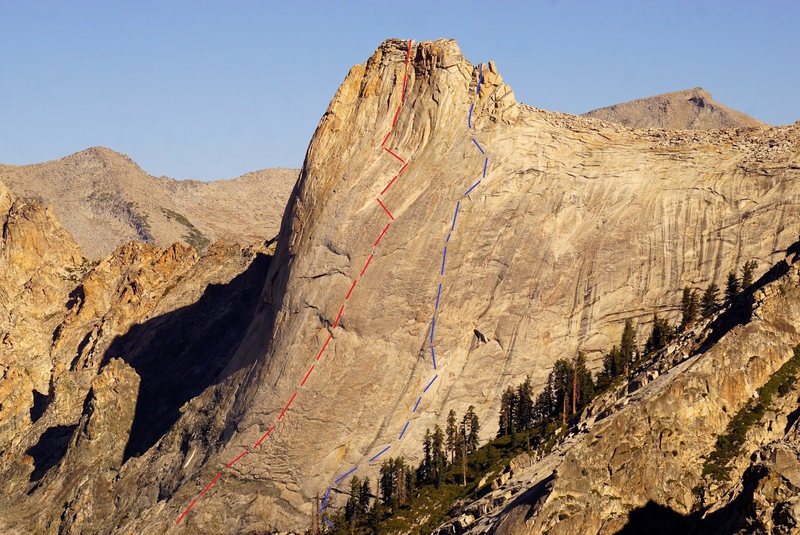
<point>451,432</point>
<point>694,305</point>
<point>562,386</point>
<point>463,439</point>
<point>612,363</point>
<point>659,336</point>
<point>732,287</point>
<point>410,482</point>
<point>438,457</point>
<point>688,307</point>
<point>524,405</point>
<point>351,508</point>
<point>425,467</point>
<point>627,345</point>
<point>748,273</point>
<point>710,297</point>
<point>375,517</point>
<point>386,482</point>
<point>364,496</point>
<point>474,428</point>
<point>543,409</point>
<point>399,475</point>
<point>585,383</point>
<point>507,413</point>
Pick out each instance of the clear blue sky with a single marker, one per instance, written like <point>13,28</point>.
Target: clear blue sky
<point>197,89</point>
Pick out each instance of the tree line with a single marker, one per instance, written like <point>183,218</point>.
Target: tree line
<point>399,482</point>
<point>570,385</point>
<point>569,388</point>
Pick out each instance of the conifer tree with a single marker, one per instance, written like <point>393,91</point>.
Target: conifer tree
<point>452,432</point>
<point>544,408</point>
<point>612,363</point>
<point>687,294</point>
<point>438,457</point>
<point>562,385</point>
<point>426,465</point>
<point>748,273</point>
<point>688,307</point>
<point>375,516</point>
<point>627,345</point>
<point>524,405</point>
<point>732,287</point>
<point>584,381</point>
<point>351,507</point>
<point>659,336</point>
<point>474,427</point>
<point>386,483</point>
<point>710,297</point>
<point>364,496</point>
<point>694,305</point>
<point>507,413</point>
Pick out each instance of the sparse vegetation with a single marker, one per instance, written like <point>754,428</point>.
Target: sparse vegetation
<point>454,469</point>
<point>193,236</point>
<point>729,444</point>
<point>124,210</point>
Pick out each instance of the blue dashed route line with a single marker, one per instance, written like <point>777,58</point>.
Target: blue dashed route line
<point>341,478</point>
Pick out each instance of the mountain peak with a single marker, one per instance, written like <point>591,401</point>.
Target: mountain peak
<point>101,155</point>
<point>692,109</point>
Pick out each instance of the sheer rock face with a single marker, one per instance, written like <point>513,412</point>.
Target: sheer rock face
<point>636,464</point>
<point>576,226</point>
<point>688,109</point>
<point>104,199</point>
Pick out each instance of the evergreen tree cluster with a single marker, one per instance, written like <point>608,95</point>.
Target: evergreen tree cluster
<point>399,482</point>
<point>618,361</point>
<point>710,301</point>
<point>569,388</point>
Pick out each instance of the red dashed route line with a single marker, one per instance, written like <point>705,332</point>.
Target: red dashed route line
<point>283,413</point>
<point>342,477</point>
<point>393,154</point>
<point>387,213</point>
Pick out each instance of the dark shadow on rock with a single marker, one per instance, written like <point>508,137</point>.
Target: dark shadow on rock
<point>50,449</point>
<point>656,519</point>
<point>792,418</point>
<point>40,403</point>
<point>741,310</point>
<point>179,354</point>
<point>531,497</point>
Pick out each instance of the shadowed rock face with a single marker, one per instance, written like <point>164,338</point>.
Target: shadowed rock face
<point>692,109</point>
<point>98,359</point>
<point>576,226</point>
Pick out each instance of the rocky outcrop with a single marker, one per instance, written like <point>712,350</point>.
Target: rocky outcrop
<point>773,505</point>
<point>99,357</point>
<point>688,109</point>
<point>636,463</point>
<point>104,199</point>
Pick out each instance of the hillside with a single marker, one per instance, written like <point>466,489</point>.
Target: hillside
<point>691,109</point>
<point>104,199</point>
<point>443,241</point>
